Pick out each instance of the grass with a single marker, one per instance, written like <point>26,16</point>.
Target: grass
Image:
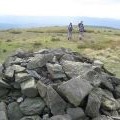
<point>98,43</point>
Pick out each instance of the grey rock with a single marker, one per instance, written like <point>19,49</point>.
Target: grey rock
<point>109,103</point>
<point>102,117</point>
<point>18,68</point>
<point>75,90</point>
<point>3,91</point>
<point>3,115</point>
<point>56,104</point>
<point>98,63</point>
<point>3,84</point>
<point>14,112</point>
<point>61,117</point>
<point>1,69</point>
<point>94,102</point>
<point>76,113</point>
<point>67,57</point>
<point>9,72</point>
<point>32,106</point>
<point>73,69</point>
<point>42,89</point>
<point>117,91</point>
<point>35,117</point>
<point>21,77</point>
<point>29,88</point>
<point>55,71</point>
<point>39,61</point>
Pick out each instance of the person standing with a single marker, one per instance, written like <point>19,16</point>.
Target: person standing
<point>81,30</point>
<point>70,28</point>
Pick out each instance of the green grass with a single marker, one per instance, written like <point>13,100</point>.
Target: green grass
<point>98,43</point>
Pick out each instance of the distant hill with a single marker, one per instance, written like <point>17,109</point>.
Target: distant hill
<point>7,22</point>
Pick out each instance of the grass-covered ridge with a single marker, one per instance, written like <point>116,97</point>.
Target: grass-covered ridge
<point>99,43</point>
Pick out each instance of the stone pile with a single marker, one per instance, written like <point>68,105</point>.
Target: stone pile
<point>57,84</point>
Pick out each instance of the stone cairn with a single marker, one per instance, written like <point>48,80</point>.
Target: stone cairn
<point>57,84</point>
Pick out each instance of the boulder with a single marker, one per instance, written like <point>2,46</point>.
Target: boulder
<point>3,92</point>
<point>76,113</point>
<point>1,69</point>
<point>117,91</point>
<point>9,72</point>
<point>39,61</point>
<point>32,106</point>
<point>29,88</point>
<point>14,112</point>
<point>74,69</point>
<point>35,117</point>
<point>3,84</point>
<point>75,90</point>
<point>55,71</point>
<point>67,57</point>
<point>94,102</point>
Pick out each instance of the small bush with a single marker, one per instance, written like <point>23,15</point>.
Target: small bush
<point>4,50</point>
<point>15,32</point>
<point>55,39</point>
<point>118,34</point>
<point>8,40</point>
<point>37,44</point>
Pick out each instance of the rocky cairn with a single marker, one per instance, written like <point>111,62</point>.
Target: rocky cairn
<point>57,84</point>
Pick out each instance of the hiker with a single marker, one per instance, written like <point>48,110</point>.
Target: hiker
<point>70,28</point>
<point>81,30</point>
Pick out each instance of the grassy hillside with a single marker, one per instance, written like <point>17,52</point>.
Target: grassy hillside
<point>99,43</point>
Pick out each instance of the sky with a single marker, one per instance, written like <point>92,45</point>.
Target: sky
<point>88,8</point>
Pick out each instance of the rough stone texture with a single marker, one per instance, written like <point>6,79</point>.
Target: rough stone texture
<point>61,117</point>
<point>32,106</point>
<point>73,69</point>
<point>21,77</point>
<point>117,91</point>
<point>109,103</point>
<point>35,117</point>
<point>9,72</point>
<point>94,102</point>
<point>3,92</point>
<point>76,113</point>
<point>55,71</point>
<point>3,115</point>
<point>55,102</point>
<point>102,117</point>
<point>1,69</point>
<point>39,61</point>
<point>75,90</point>
<point>14,112</point>
<point>29,88</point>
<point>3,84</point>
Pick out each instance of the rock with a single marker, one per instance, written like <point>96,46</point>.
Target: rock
<point>56,104</point>
<point>102,117</point>
<point>28,88</point>
<point>98,63</point>
<point>32,106</point>
<point>39,61</point>
<point>21,77</point>
<point>55,71</point>
<point>1,69</point>
<point>9,72</point>
<point>3,115</point>
<point>35,117</point>
<point>73,69</point>
<point>61,117</point>
<point>20,99</point>
<point>109,103</point>
<point>3,84</point>
<point>75,90</point>
<point>94,102</point>
<point>117,91</point>
<point>18,68</point>
<point>14,112</point>
<point>3,92</point>
<point>76,113</point>
<point>67,57</point>
<point>42,89</point>
<point>115,118</point>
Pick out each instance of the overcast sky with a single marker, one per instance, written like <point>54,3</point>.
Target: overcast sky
<point>89,8</point>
